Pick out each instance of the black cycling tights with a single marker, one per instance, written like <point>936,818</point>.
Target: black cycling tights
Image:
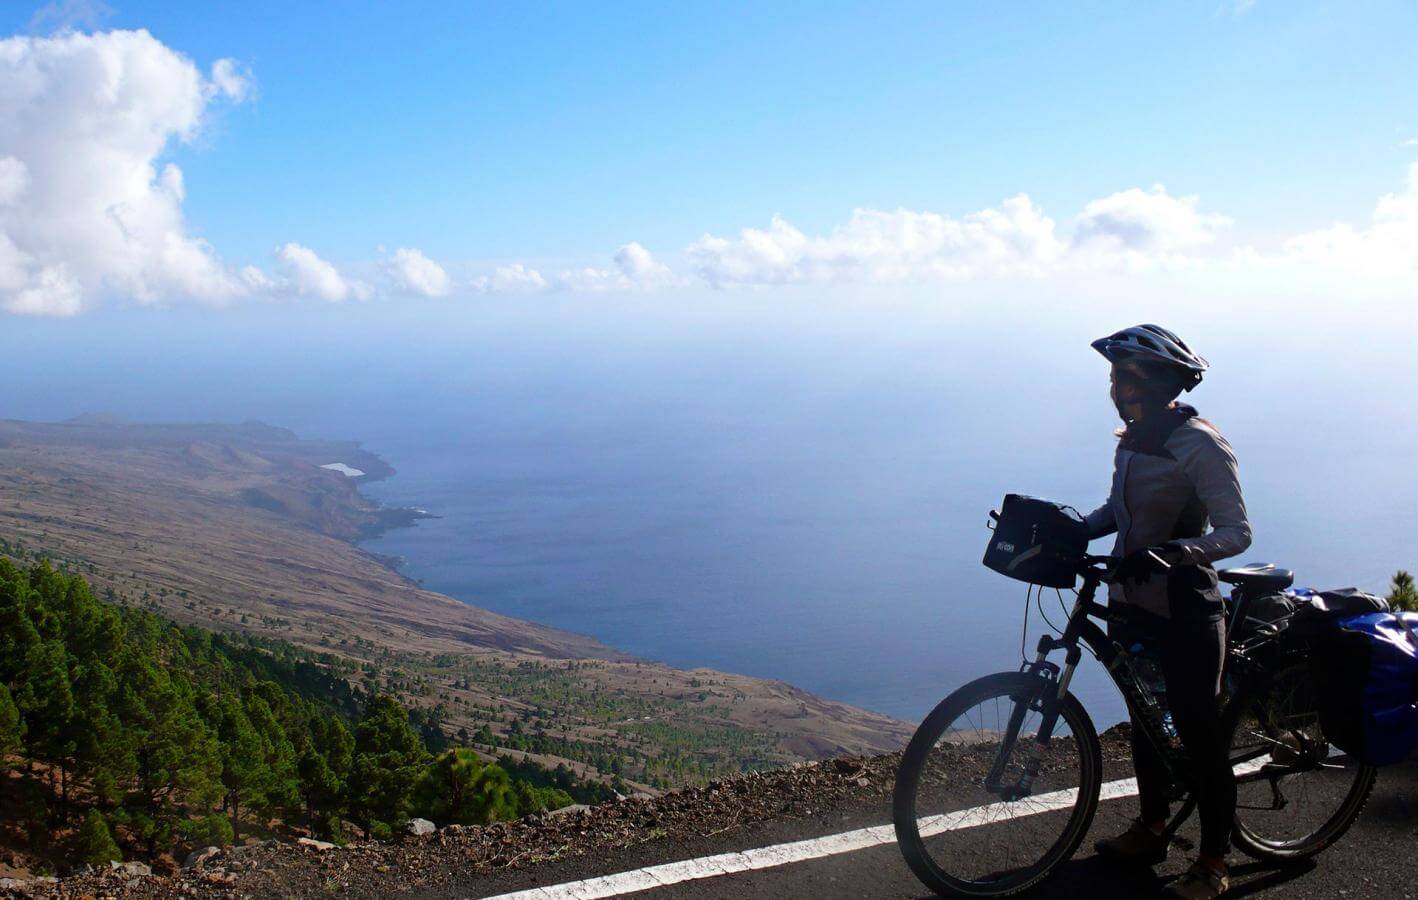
<point>1192,654</point>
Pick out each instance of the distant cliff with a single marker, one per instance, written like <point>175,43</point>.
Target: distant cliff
<point>241,528</point>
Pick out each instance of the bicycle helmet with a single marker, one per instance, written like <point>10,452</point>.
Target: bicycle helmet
<point>1154,345</point>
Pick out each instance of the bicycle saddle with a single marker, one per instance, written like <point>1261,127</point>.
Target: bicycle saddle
<point>1258,577</point>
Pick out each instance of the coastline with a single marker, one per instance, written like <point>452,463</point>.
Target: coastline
<point>238,528</point>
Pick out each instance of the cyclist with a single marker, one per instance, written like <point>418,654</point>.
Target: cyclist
<point>1173,476</point>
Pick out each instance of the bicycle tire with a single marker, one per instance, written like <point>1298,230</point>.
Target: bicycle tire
<point>904,813</point>
<point>1247,839</point>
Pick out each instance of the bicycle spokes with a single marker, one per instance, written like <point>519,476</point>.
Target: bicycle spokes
<point>1295,791</point>
<point>991,801</point>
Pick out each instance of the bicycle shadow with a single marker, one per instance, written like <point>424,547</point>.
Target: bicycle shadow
<point>1100,879</point>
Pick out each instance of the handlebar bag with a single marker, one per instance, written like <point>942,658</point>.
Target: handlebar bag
<point>1037,541</point>
<point>1366,675</point>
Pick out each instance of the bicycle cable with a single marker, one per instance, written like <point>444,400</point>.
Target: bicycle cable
<point>1024,635</point>
<point>1039,601</point>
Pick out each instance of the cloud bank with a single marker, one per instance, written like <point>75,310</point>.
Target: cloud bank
<point>414,273</point>
<point>310,276</point>
<point>634,269</point>
<point>90,212</point>
<point>1129,229</point>
<point>85,210</point>
<point>1386,247</point>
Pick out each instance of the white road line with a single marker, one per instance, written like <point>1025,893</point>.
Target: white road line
<point>801,851</point>
<point>816,848</point>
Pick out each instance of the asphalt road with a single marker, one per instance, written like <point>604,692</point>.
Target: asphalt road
<point>1377,858</point>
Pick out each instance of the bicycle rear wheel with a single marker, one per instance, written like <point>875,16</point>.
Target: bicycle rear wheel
<point>1295,792</point>
<point>966,838</point>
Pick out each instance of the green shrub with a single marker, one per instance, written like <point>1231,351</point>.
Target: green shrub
<point>330,827</point>
<point>96,846</point>
<point>1403,596</point>
<point>212,830</point>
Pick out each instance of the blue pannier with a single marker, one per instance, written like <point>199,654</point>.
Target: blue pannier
<point>1366,671</point>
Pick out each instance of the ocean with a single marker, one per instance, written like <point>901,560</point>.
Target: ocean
<point>781,492</point>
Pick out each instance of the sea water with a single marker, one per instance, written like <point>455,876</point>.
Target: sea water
<point>779,494</point>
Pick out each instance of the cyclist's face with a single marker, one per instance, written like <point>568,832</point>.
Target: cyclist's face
<point>1128,385</point>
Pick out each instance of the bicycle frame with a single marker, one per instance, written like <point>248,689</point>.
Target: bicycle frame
<point>1082,631</point>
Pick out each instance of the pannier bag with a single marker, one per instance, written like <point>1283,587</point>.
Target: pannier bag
<point>1319,612</point>
<point>1306,610</point>
<point>1366,675</point>
<point>1037,541</point>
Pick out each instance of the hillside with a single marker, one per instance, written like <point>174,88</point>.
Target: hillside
<point>241,528</point>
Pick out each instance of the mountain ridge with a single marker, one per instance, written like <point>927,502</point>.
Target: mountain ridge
<point>240,528</point>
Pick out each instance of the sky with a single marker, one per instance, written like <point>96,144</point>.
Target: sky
<point>863,247</point>
<point>157,155</point>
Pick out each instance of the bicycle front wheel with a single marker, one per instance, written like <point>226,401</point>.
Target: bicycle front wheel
<point>970,821</point>
<point>1295,792</point>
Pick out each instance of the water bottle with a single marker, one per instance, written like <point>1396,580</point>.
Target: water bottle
<point>1147,666</point>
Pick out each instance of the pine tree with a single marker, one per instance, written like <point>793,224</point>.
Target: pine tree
<point>243,758</point>
<point>324,769</point>
<point>280,788</point>
<point>96,846</point>
<point>12,727</point>
<point>389,757</point>
<point>1403,596</point>
<point>458,787</point>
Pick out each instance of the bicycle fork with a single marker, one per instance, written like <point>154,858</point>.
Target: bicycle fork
<point>1047,702</point>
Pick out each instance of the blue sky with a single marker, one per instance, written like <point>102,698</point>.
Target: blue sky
<point>557,133</point>
<point>503,130</point>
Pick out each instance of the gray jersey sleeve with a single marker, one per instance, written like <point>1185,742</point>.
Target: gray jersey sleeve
<point>1211,467</point>
<point>1103,520</point>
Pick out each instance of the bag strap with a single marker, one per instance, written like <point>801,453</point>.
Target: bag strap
<point>1412,635</point>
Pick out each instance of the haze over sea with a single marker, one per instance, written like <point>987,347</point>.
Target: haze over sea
<point>794,490</point>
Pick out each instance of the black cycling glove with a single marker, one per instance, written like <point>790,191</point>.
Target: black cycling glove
<point>1140,565</point>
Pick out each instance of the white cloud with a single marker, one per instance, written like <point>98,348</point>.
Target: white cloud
<point>882,246</point>
<point>640,266</point>
<point>86,210</point>
<point>65,15</point>
<point>310,276</point>
<point>873,245</point>
<point>1129,229</point>
<point>512,279</point>
<point>258,281</point>
<point>415,273</point>
<point>1387,247</point>
<point>230,79</point>
<point>1411,142</point>
<point>636,269</point>
<point>1147,222</point>
<point>14,177</point>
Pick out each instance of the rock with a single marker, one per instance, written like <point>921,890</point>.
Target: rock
<point>568,810</point>
<point>420,827</point>
<point>197,857</point>
<point>131,869</point>
<point>314,844</point>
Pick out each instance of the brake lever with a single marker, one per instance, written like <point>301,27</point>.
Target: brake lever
<point>1166,566</point>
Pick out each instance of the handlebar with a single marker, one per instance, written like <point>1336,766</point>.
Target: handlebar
<point>1101,567</point>
<point>1104,568</point>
